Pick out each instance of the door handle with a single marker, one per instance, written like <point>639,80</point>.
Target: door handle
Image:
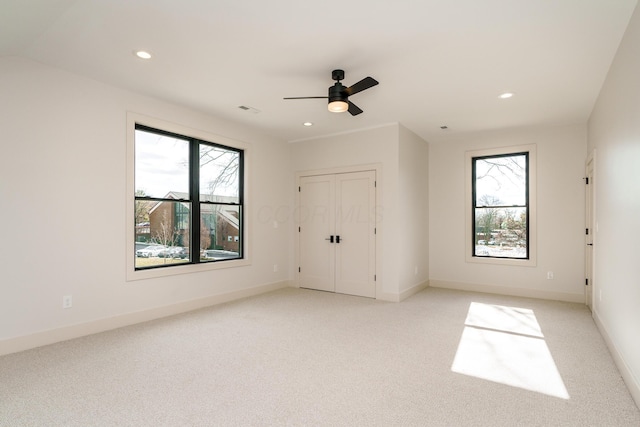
<point>330,239</point>
<point>589,244</point>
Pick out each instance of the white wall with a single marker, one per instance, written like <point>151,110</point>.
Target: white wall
<point>614,133</point>
<point>63,196</point>
<point>561,154</point>
<point>413,211</point>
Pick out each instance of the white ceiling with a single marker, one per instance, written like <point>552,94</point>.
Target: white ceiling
<point>439,62</point>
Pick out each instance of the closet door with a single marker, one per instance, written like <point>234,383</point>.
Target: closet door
<point>337,233</point>
<point>317,223</point>
<point>355,225</point>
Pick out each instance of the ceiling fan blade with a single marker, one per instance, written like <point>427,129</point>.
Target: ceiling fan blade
<point>354,109</point>
<point>308,97</point>
<point>363,84</point>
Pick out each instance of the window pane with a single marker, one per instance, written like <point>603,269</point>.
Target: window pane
<point>219,174</point>
<point>501,232</point>
<point>501,181</point>
<point>162,164</point>
<point>162,237</point>
<point>220,236</point>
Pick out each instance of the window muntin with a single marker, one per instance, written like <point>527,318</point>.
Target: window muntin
<point>178,206</point>
<point>500,206</point>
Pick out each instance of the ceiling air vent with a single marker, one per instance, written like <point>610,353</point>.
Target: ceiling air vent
<point>249,109</point>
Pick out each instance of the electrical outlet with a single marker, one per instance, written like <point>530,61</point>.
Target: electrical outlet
<point>275,268</point>
<point>67,301</point>
<point>550,275</point>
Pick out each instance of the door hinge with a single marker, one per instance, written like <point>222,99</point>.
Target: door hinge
<point>375,230</point>
<point>586,282</point>
<point>298,269</point>
<point>587,231</point>
<point>375,277</point>
<point>586,180</point>
<point>298,189</point>
<point>299,229</point>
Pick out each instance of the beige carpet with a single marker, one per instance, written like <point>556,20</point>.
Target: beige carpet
<point>300,357</point>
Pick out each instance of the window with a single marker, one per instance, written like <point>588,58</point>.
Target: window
<point>188,200</point>
<point>501,205</point>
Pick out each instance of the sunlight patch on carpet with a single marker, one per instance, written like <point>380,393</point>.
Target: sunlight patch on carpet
<point>506,345</point>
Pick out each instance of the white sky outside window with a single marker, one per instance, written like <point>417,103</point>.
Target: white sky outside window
<point>502,180</point>
<point>162,166</point>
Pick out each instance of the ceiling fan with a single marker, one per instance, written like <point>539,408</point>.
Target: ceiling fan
<point>339,95</point>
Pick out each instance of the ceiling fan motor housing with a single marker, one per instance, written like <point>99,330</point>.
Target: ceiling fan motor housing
<point>337,93</point>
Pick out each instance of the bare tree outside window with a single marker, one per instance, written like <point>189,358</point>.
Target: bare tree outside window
<point>164,233</point>
<point>219,171</point>
<point>142,208</point>
<point>205,237</point>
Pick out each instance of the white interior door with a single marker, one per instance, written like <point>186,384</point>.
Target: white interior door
<point>317,225</point>
<point>355,229</point>
<point>337,233</point>
<point>590,231</point>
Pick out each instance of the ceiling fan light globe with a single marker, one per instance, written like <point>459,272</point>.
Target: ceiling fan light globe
<point>338,106</point>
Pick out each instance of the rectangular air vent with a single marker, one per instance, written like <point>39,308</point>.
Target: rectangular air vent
<point>249,109</point>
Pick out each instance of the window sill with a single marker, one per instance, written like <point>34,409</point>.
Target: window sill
<point>152,273</point>
<point>531,262</point>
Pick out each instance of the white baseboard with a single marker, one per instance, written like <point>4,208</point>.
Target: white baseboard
<point>397,297</point>
<point>413,290</point>
<point>14,345</point>
<point>627,375</point>
<point>505,290</point>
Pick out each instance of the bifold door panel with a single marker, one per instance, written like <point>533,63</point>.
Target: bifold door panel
<point>337,233</point>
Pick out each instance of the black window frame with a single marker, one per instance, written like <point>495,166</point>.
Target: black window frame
<point>527,204</point>
<point>195,198</point>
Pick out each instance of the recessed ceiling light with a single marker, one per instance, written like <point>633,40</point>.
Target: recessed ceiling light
<point>307,124</point>
<point>143,54</point>
<point>506,95</point>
